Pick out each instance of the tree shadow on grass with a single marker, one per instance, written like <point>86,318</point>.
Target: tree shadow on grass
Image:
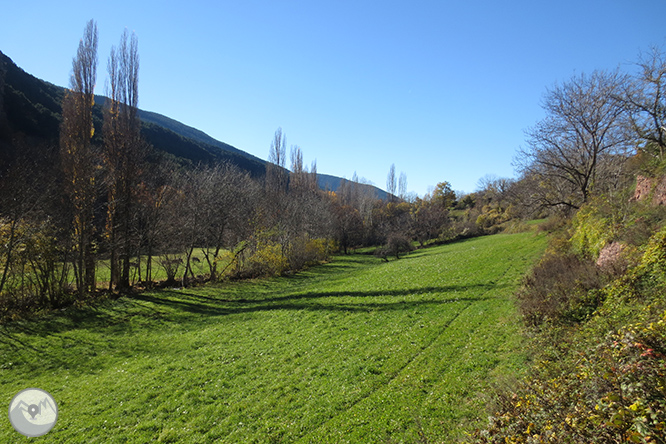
<point>316,301</point>
<point>112,316</point>
<point>166,308</point>
<point>162,308</point>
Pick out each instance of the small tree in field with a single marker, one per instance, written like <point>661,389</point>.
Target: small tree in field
<point>396,244</point>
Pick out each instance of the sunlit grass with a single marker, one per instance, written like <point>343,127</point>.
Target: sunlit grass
<point>357,350</point>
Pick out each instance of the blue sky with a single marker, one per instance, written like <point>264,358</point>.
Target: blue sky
<point>442,89</point>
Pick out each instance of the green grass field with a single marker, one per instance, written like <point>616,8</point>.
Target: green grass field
<point>357,350</point>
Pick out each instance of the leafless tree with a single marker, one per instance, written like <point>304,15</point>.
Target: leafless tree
<point>402,186</point>
<point>572,150</point>
<point>645,98</point>
<point>229,202</point>
<point>124,154</point>
<point>429,219</point>
<point>391,183</point>
<point>78,158</point>
<point>348,227</point>
<point>156,195</point>
<point>276,174</point>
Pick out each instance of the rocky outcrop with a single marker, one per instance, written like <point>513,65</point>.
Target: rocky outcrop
<point>610,255</point>
<point>647,188</point>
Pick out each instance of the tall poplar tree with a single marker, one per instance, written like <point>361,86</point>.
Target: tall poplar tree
<point>123,154</point>
<point>78,158</point>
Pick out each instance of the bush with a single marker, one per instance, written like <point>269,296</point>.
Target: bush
<point>591,231</point>
<point>395,245</point>
<point>559,288</point>
<point>304,251</point>
<point>170,263</point>
<point>610,391</point>
<point>490,219</point>
<point>601,381</point>
<point>37,273</point>
<point>552,224</point>
<point>266,260</point>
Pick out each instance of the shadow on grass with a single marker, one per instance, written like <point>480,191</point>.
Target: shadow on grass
<point>160,308</point>
<point>166,308</point>
<point>313,301</point>
<point>114,316</point>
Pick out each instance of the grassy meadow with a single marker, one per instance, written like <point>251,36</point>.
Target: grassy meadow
<point>357,350</point>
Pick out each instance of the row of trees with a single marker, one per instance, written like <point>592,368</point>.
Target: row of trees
<point>117,162</point>
<point>69,203</point>
<point>99,209</point>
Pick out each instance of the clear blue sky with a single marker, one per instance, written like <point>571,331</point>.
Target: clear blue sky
<point>443,89</point>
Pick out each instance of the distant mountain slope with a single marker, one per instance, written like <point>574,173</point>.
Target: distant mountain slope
<point>332,183</point>
<point>191,133</point>
<point>32,107</point>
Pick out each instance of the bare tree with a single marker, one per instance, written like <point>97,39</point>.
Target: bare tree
<point>124,154</point>
<point>575,148</point>
<point>276,173</point>
<point>348,226</point>
<point>77,155</point>
<point>155,196</point>
<point>299,175</point>
<point>391,182</point>
<point>429,218</point>
<point>402,186</point>
<point>645,98</point>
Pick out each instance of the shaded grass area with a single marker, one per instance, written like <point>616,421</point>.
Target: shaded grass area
<point>357,350</point>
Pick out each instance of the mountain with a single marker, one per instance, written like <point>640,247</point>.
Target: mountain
<point>32,107</point>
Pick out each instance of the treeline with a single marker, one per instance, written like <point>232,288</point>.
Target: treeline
<point>103,211</point>
<point>594,306</point>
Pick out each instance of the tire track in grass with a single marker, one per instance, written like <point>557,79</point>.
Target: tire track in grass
<point>411,360</point>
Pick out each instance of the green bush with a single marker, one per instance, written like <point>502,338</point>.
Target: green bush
<point>266,259</point>
<point>591,231</point>
<point>304,251</point>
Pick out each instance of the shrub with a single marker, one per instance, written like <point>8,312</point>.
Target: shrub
<point>643,223</point>
<point>33,267</point>
<point>318,250</point>
<point>516,226</point>
<point>559,289</point>
<point>170,263</point>
<point>591,232</point>
<point>611,391</point>
<point>490,219</point>
<point>396,244</point>
<point>552,224</point>
<point>266,260</point>
<point>601,381</point>
<point>304,251</point>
